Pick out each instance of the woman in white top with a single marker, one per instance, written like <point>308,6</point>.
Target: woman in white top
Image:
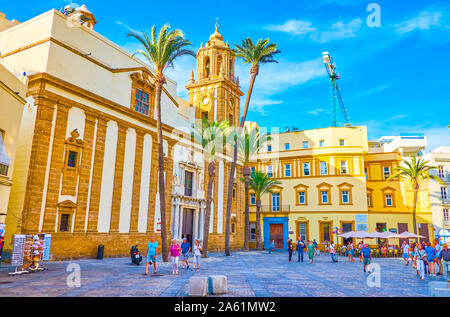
<point>197,254</point>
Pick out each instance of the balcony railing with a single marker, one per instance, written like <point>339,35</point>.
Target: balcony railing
<point>280,208</point>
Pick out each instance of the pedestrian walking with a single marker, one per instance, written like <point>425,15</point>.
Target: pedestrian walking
<point>438,261</point>
<point>174,254</point>
<point>290,249</point>
<point>333,252</point>
<point>311,251</point>
<point>350,252</point>
<point>405,255</point>
<point>151,255</point>
<point>300,248</point>
<point>271,246</point>
<point>185,249</point>
<point>420,256</point>
<point>366,253</point>
<point>445,258</point>
<point>360,246</point>
<point>431,256</point>
<point>197,254</point>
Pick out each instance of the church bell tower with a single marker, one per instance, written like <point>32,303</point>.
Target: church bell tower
<point>216,93</point>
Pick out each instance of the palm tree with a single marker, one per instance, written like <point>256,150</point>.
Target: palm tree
<point>416,172</point>
<point>213,138</point>
<point>261,184</point>
<point>250,142</point>
<point>261,53</point>
<point>161,52</point>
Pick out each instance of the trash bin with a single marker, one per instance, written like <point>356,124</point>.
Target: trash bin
<point>100,250</point>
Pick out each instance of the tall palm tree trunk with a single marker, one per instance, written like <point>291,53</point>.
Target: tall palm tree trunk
<point>253,73</point>
<point>416,192</point>
<point>162,189</point>
<point>258,225</point>
<point>212,174</point>
<point>246,173</point>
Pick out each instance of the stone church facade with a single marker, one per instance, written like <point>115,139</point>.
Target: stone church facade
<point>88,168</point>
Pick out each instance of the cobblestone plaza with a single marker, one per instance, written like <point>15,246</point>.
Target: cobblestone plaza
<point>251,274</point>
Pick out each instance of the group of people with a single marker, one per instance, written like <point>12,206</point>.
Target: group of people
<point>310,246</point>
<point>175,252</point>
<point>427,258</point>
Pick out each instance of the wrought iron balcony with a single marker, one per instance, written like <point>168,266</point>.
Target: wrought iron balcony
<point>279,208</point>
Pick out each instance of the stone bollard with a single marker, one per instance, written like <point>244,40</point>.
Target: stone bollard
<point>217,284</point>
<point>434,285</point>
<point>198,286</point>
<point>442,292</point>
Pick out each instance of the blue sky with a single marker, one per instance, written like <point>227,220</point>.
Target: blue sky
<point>392,77</point>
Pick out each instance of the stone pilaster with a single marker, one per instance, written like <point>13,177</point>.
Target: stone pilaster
<point>56,164</point>
<point>97,175</point>
<point>153,185</point>
<point>118,177</point>
<point>38,165</point>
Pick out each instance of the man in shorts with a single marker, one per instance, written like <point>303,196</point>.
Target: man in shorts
<point>151,255</point>
<point>405,248</point>
<point>185,249</point>
<point>366,253</point>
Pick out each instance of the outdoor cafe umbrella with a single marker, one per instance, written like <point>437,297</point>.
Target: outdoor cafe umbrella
<point>346,235</point>
<point>407,234</point>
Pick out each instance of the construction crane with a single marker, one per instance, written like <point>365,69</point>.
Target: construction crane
<point>335,92</point>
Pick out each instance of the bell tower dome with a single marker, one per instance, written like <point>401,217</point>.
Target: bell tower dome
<point>216,92</point>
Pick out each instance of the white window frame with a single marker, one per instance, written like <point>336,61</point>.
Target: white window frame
<point>252,226</point>
<point>445,214</point>
<point>269,170</point>
<point>322,192</point>
<point>444,194</point>
<point>391,199</point>
<point>286,170</point>
<point>384,172</point>
<point>345,165</point>
<point>309,169</point>
<point>303,195</point>
<point>305,144</point>
<point>323,171</point>
<point>321,143</point>
<point>252,199</point>
<point>276,207</point>
<point>346,195</point>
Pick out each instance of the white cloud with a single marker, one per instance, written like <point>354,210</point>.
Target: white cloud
<point>275,78</point>
<point>425,21</point>
<point>337,31</point>
<point>126,26</point>
<point>316,112</point>
<point>295,27</point>
<point>181,72</point>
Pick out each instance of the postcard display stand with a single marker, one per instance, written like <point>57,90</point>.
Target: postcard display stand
<point>29,251</point>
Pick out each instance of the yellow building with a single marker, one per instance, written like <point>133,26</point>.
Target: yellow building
<point>326,175</point>
<point>12,101</point>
